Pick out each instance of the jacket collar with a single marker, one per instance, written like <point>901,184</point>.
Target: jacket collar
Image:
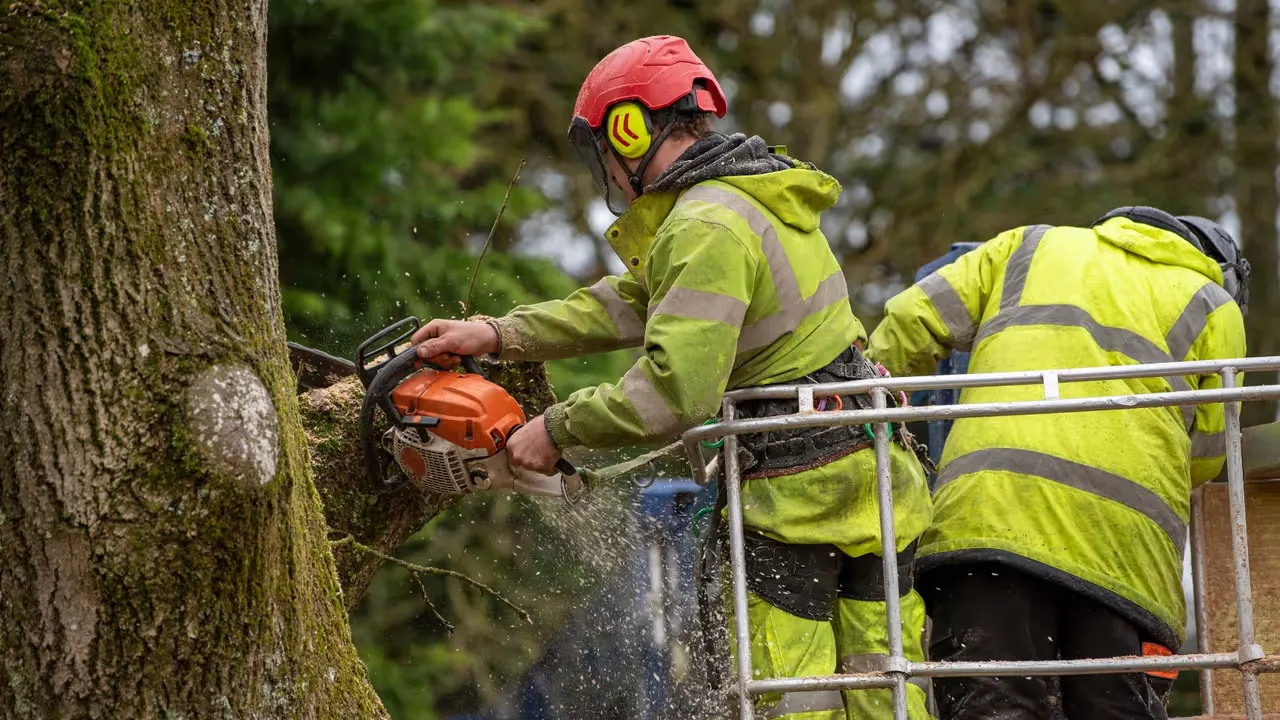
<point>632,233</point>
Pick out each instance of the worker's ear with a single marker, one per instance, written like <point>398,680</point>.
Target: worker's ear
<point>630,130</point>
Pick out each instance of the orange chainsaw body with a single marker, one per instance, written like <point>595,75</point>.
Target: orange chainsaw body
<point>473,413</point>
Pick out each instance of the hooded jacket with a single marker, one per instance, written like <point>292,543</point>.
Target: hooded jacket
<point>1096,501</point>
<point>731,284</point>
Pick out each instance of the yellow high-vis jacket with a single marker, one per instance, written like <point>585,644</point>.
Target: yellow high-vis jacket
<point>1097,501</point>
<point>730,284</point>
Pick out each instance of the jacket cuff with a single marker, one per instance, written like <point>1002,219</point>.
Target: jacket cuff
<point>494,324</point>
<point>558,426</point>
<point>510,346</point>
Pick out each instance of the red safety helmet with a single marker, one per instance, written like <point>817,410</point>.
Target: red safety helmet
<point>617,102</point>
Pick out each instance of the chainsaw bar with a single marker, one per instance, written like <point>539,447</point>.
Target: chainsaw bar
<point>316,369</point>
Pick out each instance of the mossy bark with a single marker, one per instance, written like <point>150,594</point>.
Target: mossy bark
<point>141,577</point>
<point>382,520</point>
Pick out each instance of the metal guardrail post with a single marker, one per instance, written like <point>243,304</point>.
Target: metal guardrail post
<point>1249,658</point>
<point>1199,597</point>
<point>1249,650</point>
<point>898,665</point>
<point>737,565</point>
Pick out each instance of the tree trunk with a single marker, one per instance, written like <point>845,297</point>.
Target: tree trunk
<point>162,543</point>
<point>1256,162</point>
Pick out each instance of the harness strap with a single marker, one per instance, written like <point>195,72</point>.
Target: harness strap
<point>862,577</point>
<point>786,452</point>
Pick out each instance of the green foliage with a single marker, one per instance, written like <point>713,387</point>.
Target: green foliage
<point>384,188</point>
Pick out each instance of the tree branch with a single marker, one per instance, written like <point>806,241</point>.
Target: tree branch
<point>417,570</point>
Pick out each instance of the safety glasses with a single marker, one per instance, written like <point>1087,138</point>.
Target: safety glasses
<point>587,144</point>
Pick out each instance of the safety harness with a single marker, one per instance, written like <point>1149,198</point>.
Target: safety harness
<point>786,452</point>
<point>806,580</point>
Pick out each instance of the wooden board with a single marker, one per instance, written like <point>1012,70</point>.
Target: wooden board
<point>1263,516</point>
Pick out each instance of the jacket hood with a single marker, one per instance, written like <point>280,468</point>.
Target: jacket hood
<point>797,196</point>
<point>1156,245</point>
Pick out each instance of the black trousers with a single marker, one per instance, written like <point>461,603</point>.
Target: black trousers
<point>990,611</point>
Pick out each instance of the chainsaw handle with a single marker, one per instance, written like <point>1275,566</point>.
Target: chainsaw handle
<point>397,333</point>
<point>470,365</point>
<point>565,467</point>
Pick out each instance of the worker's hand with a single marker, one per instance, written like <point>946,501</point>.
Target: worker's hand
<point>444,342</point>
<point>531,447</point>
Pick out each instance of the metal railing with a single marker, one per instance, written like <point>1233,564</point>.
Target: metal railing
<point>897,669</point>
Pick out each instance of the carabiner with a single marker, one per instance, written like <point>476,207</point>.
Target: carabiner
<point>708,444</point>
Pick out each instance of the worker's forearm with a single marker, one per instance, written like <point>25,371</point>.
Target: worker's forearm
<point>671,389</point>
<point>597,319</point>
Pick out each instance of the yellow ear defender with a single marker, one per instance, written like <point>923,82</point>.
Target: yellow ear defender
<point>628,129</point>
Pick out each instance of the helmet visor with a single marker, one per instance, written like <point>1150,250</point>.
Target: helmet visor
<point>587,144</point>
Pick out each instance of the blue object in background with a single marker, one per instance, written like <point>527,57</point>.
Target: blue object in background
<point>628,653</point>
<point>956,364</point>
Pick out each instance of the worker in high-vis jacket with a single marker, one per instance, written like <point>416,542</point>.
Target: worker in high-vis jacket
<point>1062,536</point>
<point>729,283</point>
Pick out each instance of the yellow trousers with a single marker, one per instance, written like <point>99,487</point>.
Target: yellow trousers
<point>855,640</point>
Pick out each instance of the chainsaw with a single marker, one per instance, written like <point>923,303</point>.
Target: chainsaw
<point>448,430</point>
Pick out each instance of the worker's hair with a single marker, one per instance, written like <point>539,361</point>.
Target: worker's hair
<point>693,125</point>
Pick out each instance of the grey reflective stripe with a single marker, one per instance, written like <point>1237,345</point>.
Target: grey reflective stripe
<point>805,702</point>
<point>700,305</point>
<point>792,309</point>
<point>1013,314</point>
<point>920,682</point>
<point>1072,474</point>
<point>626,321</point>
<point>1194,317</point>
<point>1111,339</point>
<point>865,663</point>
<point>1019,266</point>
<point>649,404</point>
<point>1208,445</point>
<point>784,277</point>
<point>951,309</point>
<point>771,327</point>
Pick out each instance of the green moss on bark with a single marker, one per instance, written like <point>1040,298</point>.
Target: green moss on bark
<point>133,259</point>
